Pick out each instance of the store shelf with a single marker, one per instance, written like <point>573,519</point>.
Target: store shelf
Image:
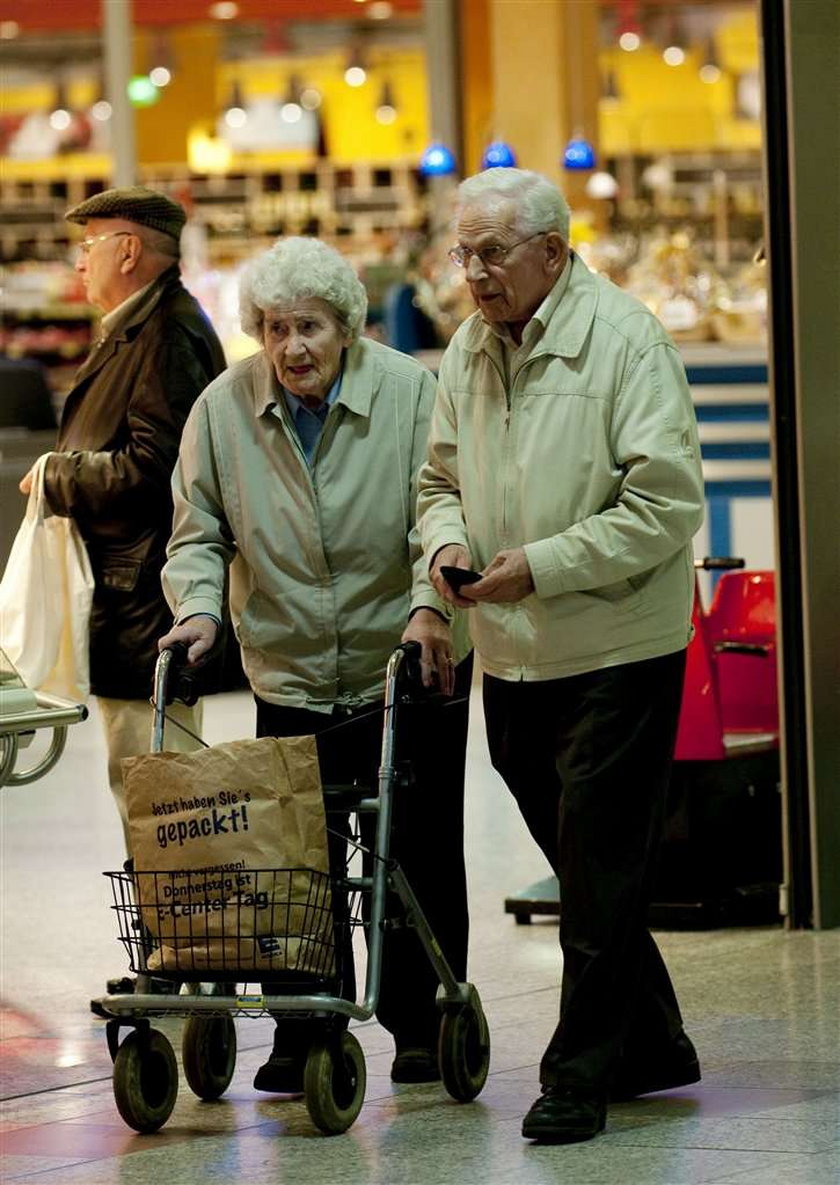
<point>351,203</point>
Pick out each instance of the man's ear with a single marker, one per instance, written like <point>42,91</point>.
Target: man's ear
<point>556,252</point>
<point>132,249</point>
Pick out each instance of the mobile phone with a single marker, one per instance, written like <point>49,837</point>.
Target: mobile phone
<point>456,578</point>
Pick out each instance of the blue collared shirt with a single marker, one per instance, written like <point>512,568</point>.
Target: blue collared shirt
<point>309,424</point>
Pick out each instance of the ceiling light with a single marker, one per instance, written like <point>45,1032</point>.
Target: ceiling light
<point>223,10</point>
<point>579,153</point>
<point>709,73</point>
<point>602,185</point>
<point>160,76</point>
<point>674,55</point>
<point>386,111</point>
<point>101,110</point>
<point>355,74</point>
<point>498,155</point>
<point>437,161</point>
<point>629,41</point>
<point>9,30</point>
<point>236,115</point>
<point>310,98</point>
<point>60,117</point>
<point>380,10</point>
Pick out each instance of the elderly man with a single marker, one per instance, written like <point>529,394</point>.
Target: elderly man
<point>118,442</point>
<point>564,465</point>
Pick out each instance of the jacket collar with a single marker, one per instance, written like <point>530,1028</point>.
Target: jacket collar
<point>566,328</point>
<point>362,376</point>
<point>136,315</point>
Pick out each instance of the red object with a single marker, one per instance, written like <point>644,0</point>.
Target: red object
<point>730,683</point>
<point>741,623</point>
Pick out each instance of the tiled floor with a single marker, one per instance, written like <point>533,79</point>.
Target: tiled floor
<point>762,1005</point>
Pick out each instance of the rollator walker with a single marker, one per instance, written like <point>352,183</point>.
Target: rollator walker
<point>145,1076</point>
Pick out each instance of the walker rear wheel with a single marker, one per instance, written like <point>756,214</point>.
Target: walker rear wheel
<point>145,1080</point>
<point>334,1082</point>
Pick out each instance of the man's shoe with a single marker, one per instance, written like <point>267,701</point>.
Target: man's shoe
<point>123,985</point>
<point>680,1067</point>
<point>281,1075</point>
<point>415,1064</point>
<point>126,985</point>
<point>565,1115</point>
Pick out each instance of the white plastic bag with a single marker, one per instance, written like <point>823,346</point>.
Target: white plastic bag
<point>45,600</point>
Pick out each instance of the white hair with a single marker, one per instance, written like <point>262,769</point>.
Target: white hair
<point>296,269</point>
<point>539,203</point>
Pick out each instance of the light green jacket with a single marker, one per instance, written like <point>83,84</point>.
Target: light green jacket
<point>590,460</point>
<point>325,563</point>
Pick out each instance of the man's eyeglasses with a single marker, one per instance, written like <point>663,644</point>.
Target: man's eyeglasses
<point>492,256</point>
<point>85,245</point>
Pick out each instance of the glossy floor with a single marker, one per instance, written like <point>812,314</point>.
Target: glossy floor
<point>763,1007</point>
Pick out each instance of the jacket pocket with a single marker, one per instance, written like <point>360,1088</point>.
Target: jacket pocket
<point>121,576</point>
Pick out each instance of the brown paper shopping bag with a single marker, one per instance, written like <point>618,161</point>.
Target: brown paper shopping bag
<point>230,857</point>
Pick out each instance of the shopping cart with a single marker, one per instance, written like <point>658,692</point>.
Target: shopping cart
<point>320,914</point>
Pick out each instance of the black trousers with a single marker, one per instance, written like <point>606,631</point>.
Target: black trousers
<point>427,836</point>
<point>588,760</point>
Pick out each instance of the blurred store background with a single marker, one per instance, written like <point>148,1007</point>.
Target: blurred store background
<point>353,120</point>
<point>271,117</point>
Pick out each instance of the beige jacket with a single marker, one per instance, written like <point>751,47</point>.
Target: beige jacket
<point>589,457</point>
<point>325,563</point>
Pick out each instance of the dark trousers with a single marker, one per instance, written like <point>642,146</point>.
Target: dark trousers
<point>588,760</point>
<point>427,836</point>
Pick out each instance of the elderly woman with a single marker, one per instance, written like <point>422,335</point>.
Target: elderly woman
<point>297,472</point>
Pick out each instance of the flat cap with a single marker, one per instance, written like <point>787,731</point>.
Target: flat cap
<point>144,206</point>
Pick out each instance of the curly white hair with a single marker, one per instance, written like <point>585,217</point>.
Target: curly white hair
<point>298,268</point>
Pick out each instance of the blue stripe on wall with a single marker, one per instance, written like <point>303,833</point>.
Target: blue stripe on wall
<point>724,374</point>
<point>754,413</point>
<point>746,488</point>
<point>755,450</point>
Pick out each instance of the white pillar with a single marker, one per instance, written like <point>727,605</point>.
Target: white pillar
<point>117,52</point>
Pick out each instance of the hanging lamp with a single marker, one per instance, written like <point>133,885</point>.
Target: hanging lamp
<point>498,155</point>
<point>437,161</point>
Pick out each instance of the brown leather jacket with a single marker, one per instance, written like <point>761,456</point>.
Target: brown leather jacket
<point>117,445</point>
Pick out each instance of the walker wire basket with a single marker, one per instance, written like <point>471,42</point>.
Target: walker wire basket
<point>259,924</point>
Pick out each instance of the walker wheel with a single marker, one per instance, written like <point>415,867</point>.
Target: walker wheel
<point>208,1051</point>
<point>334,1082</point>
<point>464,1050</point>
<point>145,1080</point>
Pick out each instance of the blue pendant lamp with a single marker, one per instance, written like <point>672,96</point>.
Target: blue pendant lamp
<point>498,155</point>
<point>437,161</point>
<point>579,153</point>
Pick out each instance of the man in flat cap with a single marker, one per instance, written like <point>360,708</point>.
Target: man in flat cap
<point>118,443</point>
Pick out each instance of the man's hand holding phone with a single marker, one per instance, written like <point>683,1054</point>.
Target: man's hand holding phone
<point>451,573</point>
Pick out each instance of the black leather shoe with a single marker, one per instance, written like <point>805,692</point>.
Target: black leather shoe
<point>679,1067</point>
<point>564,1115</point>
<point>415,1064</point>
<point>281,1075</point>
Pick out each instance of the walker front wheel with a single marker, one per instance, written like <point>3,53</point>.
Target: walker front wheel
<point>464,1050</point>
<point>145,1080</point>
<point>208,1051</point>
<point>334,1082</point>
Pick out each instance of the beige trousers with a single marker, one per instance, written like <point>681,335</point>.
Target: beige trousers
<point>128,733</point>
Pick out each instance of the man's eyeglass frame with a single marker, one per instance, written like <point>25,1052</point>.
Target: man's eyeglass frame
<point>492,256</point>
<point>86,245</point>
